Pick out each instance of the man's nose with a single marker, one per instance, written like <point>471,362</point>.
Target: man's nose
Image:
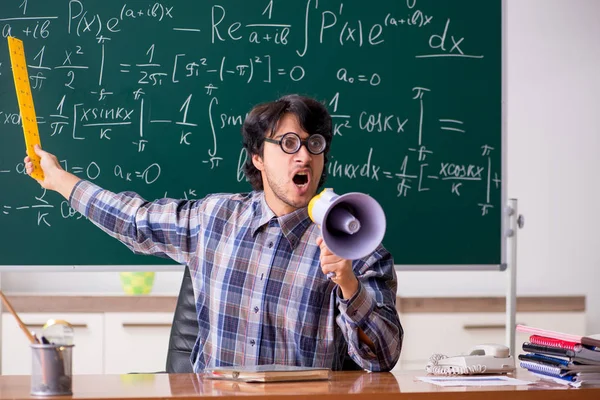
<point>303,155</point>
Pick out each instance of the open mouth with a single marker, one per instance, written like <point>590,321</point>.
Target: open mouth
<point>301,179</point>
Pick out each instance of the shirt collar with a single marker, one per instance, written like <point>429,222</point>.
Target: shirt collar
<point>262,213</point>
<point>293,225</point>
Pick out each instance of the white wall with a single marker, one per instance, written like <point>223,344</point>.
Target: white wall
<point>553,75</point>
<point>554,138</point>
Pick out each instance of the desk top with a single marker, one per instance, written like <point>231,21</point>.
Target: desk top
<point>361,385</point>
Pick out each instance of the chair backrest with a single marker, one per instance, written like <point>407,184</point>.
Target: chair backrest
<point>185,330</point>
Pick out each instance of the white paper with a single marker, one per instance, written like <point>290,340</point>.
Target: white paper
<point>489,380</point>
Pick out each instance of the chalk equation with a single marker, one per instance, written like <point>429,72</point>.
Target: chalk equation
<point>150,96</point>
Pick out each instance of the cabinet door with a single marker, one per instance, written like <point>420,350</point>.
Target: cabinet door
<point>88,340</point>
<point>455,333</point>
<point>136,342</point>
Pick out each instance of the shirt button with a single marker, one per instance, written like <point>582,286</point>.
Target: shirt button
<point>252,342</point>
<point>270,244</point>
<point>255,309</point>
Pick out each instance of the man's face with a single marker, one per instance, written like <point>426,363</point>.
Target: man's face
<point>289,180</point>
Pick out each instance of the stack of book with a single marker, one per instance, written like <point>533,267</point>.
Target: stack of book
<point>561,357</point>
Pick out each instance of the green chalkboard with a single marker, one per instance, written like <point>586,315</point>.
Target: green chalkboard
<point>149,96</point>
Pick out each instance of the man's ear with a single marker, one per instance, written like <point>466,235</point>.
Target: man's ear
<point>258,162</point>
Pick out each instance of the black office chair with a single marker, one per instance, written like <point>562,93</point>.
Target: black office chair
<point>185,330</point>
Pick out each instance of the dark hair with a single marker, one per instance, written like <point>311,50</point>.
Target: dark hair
<point>262,121</point>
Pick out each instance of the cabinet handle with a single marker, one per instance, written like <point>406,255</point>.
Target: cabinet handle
<point>146,324</point>
<point>489,326</point>
<point>80,326</point>
<point>486,326</point>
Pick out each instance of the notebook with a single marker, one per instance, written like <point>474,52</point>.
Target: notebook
<point>542,359</point>
<point>573,383</point>
<point>268,373</point>
<point>556,372</point>
<point>565,365</point>
<point>586,340</point>
<point>580,353</point>
<point>547,341</point>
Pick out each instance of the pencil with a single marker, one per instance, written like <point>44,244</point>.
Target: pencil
<point>31,338</point>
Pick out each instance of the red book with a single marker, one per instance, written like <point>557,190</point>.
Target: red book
<point>588,341</point>
<point>551,342</point>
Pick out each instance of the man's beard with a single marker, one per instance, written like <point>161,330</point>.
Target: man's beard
<point>279,191</point>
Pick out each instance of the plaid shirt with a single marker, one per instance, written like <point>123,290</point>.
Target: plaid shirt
<point>261,297</point>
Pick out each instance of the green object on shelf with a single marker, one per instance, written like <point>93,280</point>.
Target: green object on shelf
<point>135,283</point>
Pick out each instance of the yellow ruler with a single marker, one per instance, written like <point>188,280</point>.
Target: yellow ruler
<point>28,119</point>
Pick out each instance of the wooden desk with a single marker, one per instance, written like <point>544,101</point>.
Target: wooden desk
<point>344,385</point>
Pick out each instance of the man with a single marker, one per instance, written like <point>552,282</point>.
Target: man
<point>259,266</point>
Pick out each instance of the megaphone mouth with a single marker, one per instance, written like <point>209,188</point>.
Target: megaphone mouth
<point>342,220</point>
<point>362,242</point>
<point>352,225</point>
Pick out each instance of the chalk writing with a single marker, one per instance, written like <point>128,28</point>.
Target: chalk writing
<point>150,96</point>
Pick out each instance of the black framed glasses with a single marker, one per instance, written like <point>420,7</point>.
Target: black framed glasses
<point>290,143</point>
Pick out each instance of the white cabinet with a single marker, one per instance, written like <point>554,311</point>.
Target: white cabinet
<point>136,342</point>
<point>126,342</point>
<point>105,343</point>
<point>455,333</point>
<point>89,342</point>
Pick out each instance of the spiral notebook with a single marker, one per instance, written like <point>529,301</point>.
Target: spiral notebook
<point>549,370</point>
<point>564,365</point>
<point>580,353</point>
<point>547,341</point>
<point>576,383</point>
<point>586,340</point>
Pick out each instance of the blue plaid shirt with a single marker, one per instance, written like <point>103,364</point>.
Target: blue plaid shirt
<point>261,297</point>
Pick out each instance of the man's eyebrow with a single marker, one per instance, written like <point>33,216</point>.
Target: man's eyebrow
<point>278,135</point>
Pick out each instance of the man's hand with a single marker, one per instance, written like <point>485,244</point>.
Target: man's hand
<point>344,277</point>
<point>342,268</point>
<point>55,177</point>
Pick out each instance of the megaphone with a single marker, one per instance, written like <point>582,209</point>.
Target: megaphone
<point>352,225</point>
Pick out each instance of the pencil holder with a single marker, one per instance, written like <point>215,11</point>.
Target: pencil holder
<point>52,370</point>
